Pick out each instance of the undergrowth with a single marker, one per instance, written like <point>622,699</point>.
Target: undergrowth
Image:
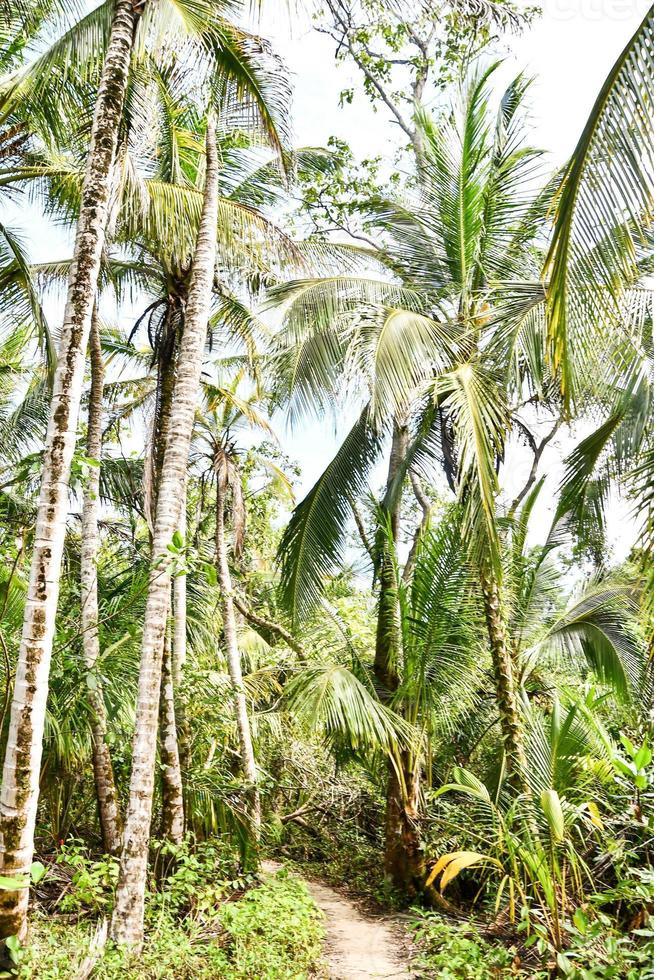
<point>198,928</point>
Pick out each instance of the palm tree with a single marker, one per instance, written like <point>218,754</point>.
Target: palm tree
<point>228,64</point>
<point>228,413</point>
<point>19,795</point>
<point>603,213</point>
<point>443,356</point>
<point>107,795</point>
<point>127,919</point>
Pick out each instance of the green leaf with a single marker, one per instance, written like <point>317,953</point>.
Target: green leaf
<point>178,539</point>
<point>37,872</point>
<point>580,920</point>
<point>11,884</point>
<point>551,804</point>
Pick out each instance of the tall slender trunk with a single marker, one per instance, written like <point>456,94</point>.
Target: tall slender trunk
<point>511,724</point>
<point>172,817</point>
<point>233,655</point>
<point>387,636</point>
<point>127,919</point>
<point>20,782</point>
<point>179,651</point>
<point>172,792</point>
<point>105,784</point>
<point>403,855</point>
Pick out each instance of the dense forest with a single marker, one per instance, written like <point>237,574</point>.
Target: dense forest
<point>395,720</point>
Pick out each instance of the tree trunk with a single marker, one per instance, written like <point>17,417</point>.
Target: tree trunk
<point>172,818</point>
<point>179,651</point>
<point>507,701</point>
<point>105,785</point>
<point>172,797</point>
<point>127,919</point>
<point>387,638</point>
<point>248,762</point>
<point>404,857</point>
<point>20,783</point>
<point>402,850</point>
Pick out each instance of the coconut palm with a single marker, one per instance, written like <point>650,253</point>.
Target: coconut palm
<point>466,257</point>
<point>127,919</point>
<point>218,432</point>
<point>21,767</point>
<point>603,212</point>
<point>110,36</point>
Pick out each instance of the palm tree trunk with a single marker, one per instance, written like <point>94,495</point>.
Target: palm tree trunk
<point>172,796</point>
<point>386,642</point>
<point>172,818</point>
<point>127,919</point>
<point>105,785</point>
<point>20,782</point>
<point>505,690</point>
<point>179,651</point>
<point>233,655</point>
<point>403,855</point>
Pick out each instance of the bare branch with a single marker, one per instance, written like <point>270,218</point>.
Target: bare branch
<point>537,450</point>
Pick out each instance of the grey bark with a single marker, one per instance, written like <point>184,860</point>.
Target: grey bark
<point>20,783</point>
<point>233,657</point>
<point>105,784</point>
<point>127,919</point>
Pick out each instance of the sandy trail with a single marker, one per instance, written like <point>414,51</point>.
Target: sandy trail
<point>358,946</point>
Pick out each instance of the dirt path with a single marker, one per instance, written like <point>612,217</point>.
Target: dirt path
<point>358,946</point>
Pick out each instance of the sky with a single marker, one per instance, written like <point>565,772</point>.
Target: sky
<point>569,50</point>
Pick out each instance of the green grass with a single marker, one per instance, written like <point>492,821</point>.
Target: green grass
<point>272,932</point>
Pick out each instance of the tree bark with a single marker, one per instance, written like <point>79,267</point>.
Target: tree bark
<point>248,762</point>
<point>505,690</point>
<point>404,857</point>
<point>172,817</point>
<point>105,784</point>
<point>387,637</point>
<point>172,796</point>
<point>179,652</point>
<point>402,850</point>
<point>20,783</point>
<point>127,919</point>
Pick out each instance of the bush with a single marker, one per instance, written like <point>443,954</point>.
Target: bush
<point>458,952</point>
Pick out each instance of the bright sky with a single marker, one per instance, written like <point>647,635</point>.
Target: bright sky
<point>569,50</point>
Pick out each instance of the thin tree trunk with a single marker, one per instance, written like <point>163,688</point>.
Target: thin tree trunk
<point>179,612</point>
<point>20,783</point>
<point>403,856</point>
<point>105,784</point>
<point>179,651</point>
<point>172,796</point>
<point>387,637</point>
<point>505,689</point>
<point>127,919</point>
<point>248,762</point>
<point>172,819</point>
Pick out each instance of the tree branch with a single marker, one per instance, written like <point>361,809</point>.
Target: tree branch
<point>269,626</point>
<point>537,449</point>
